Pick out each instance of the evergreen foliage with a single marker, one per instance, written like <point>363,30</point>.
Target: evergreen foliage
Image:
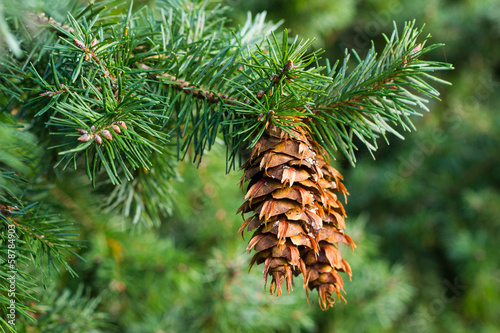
<point>118,95</point>
<point>432,199</point>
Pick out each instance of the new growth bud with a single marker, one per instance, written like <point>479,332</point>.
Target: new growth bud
<point>116,128</point>
<point>85,138</point>
<point>79,43</point>
<point>107,134</point>
<point>417,49</point>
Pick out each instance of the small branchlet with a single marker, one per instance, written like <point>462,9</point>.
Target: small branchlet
<point>54,93</point>
<point>90,54</point>
<point>188,88</point>
<point>275,79</point>
<point>103,132</point>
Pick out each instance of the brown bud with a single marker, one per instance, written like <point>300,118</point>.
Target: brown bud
<point>122,124</point>
<point>93,44</point>
<point>289,65</point>
<point>80,44</point>
<point>98,139</point>
<point>116,128</point>
<point>7,210</point>
<point>416,49</point>
<point>260,94</point>
<point>270,112</point>
<point>87,57</point>
<point>92,128</point>
<point>107,134</point>
<point>261,115</point>
<point>85,138</point>
<point>81,131</point>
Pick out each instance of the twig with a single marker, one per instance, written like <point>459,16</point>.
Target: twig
<point>177,83</point>
<point>185,86</point>
<point>42,20</point>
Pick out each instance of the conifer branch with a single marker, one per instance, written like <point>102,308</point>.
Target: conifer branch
<point>380,93</point>
<point>76,311</point>
<point>188,88</point>
<point>278,83</point>
<point>112,93</point>
<point>158,75</point>
<point>177,83</point>
<point>31,239</point>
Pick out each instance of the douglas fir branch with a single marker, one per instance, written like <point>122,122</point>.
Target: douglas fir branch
<point>121,98</point>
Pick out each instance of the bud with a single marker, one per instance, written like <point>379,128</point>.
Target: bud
<point>107,134</point>
<point>7,210</point>
<point>260,94</point>
<point>289,65</point>
<point>85,138</point>
<point>116,128</point>
<point>92,128</point>
<point>93,44</point>
<point>122,124</point>
<point>81,131</point>
<point>98,139</point>
<point>87,57</point>
<point>79,43</point>
<point>270,112</point>
<point>416,49</point>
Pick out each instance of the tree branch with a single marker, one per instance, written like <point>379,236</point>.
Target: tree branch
<point>177,83</point>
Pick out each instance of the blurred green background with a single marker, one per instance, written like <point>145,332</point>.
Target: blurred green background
<point>424,214</point>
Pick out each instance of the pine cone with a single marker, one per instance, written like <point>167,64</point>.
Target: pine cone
<point>296,213</point>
